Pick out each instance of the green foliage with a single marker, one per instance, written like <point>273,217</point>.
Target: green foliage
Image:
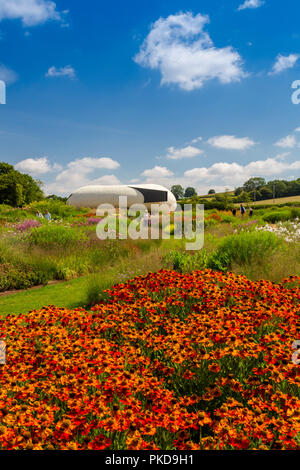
<point>184,261</point>
<point>223,203</point>
<point>17,188</point>
<point>56,236</point>
<point>178,191</point>
<point>295,213</point>
<point>243,248</point>
<point>57,208</point>
<point>254,183</point>
<point>96,285</point>
<point>16,277</point>
<point>239,249</point>
<point>11,214</point>
<point>278,216</point>
<point>190,192</point>
<point>257,188</point>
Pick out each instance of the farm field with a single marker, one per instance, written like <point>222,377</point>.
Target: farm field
<point>149,346</point>
<point>280,200</point>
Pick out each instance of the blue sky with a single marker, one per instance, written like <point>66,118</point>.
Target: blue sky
<point>196,93</point>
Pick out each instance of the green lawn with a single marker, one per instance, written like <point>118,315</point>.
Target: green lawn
<point>74,293</point>
<point>65,294</point>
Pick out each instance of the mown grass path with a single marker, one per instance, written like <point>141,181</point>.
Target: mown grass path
<point>64,294</point>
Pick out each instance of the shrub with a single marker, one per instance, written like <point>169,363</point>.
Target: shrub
<point>183,261</point>
<point>243,248</point>
<point>239,249</point>
<point>295,213</point>
<point>19,277</point>
<point>277,216</point>
<point>51,236</point>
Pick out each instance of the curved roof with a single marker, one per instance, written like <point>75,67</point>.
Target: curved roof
<point>94,195</point>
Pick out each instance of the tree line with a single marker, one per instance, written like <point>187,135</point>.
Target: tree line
<point>254,189</point>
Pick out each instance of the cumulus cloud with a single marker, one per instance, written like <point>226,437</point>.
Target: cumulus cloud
<point>230,142</point>
<point>251,4</point>
<point>81,172</point>
<point>31,12</point>
<point>67,71</point>
<point>287,142</point>
<point>185,55</point>
<point>7,75</point>
<point>236,174</point>
<point>185,152</point>
<point>36,166</point>
<point>157,172</point>
<point>283,63</point>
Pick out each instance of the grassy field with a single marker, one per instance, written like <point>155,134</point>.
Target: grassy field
<point>280,200</point>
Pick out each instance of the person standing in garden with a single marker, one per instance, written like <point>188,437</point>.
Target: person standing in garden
<point>251,212</point>
<point>48,216</point>
<point>242,209</point>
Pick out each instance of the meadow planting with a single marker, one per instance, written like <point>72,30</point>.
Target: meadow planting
<point>167,349</point>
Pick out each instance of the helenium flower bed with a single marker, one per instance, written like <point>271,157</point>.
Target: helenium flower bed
<point>169,361</point>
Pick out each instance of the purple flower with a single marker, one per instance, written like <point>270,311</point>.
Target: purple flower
<point>92,220</point>
<point>27,224</point>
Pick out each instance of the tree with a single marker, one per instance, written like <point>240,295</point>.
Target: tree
<point>5,168</point>
<point>53,197</point>
<point>280,187</point>
<point>253,184</point>
<point>266,193</point>
<point>17,188</point>
<point>238,191</point>
<point>190,192</point>
<point>243,197</point>
<point>211,191</point>
<point>178,191</point>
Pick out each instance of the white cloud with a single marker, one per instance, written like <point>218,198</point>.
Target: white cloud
<point>36,166</point>
<point>222,175</point>
<point>185,152</point>
<point>283,63</point>
<point>31,12</point>
<point>236,174</point>
<point>198,139</point>
<point>297,129</point>
<point>230,142</point>
<point>7,75</point>
<point>67,71</point>
<point>157,172</point>
<point>106,180</point>
<point>81,172</point>
<point>65,187</point>
<point>185,55</point>
<point>287,142</point>
<point>251,4</point>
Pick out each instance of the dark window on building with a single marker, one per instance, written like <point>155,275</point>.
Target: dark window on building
<point>152,195</point>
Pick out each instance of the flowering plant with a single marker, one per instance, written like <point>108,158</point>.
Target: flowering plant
<point>167,361</point>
